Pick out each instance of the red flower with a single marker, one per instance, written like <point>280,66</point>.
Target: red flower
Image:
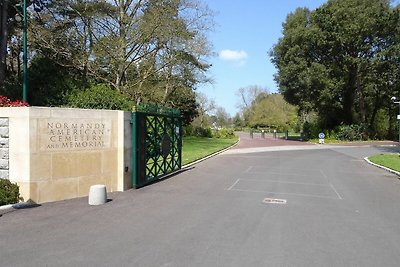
<point>19,103</point>
<point>6,102</point>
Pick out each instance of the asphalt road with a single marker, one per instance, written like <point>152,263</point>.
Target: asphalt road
<point>339,211</point>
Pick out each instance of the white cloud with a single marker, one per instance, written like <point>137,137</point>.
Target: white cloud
<point>232,55</point>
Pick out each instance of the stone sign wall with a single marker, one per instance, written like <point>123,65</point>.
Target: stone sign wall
<point>76,134</point>
<point>4,146</point>
<point>57,153</point>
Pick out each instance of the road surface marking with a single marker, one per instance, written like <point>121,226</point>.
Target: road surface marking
<point>274,201</point>
<point>230,188</point>
<point>283,193</point>
<point>330,184</point>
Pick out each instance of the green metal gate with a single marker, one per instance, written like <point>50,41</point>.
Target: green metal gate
<point>156,143</point>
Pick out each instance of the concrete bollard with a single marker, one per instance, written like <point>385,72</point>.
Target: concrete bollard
<point>97,194</point>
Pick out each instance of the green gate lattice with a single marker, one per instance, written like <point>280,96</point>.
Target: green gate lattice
<point>156,142</point>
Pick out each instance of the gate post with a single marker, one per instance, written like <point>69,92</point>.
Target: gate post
<point>180,134</point>
<point>134,149</point>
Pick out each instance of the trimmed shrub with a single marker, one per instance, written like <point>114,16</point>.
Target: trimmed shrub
<point>203,132</point>
<point>188,130</point>
<point>224,133</point>
<point>99,96</point>
<point>381,125</point>
<point>310,130</point>
<point>9,192</point>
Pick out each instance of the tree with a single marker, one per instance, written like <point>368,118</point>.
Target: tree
<point>178,60</point>
<point>150,51</point>
<point>271,110</point>
<point>9,30</point>
<point>185,100</point>
<point>206,106</point>
<point>129,44</point>
<point>3,39</point>
<point>237,121</point>
<point>51,83</point>
<point>340,60</point>
<point>221,118</point>
<point>247,95</point>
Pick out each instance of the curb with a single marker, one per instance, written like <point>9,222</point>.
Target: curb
<point>382,167</point>
<point>210,156</point>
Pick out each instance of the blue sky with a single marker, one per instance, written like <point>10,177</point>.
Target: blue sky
<point>245,32</point>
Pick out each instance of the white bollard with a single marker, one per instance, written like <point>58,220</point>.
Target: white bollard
<point>97,194</point>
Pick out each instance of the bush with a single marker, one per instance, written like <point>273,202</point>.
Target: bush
<point>188,130</point>
<point>353,132</point>
<point>310,130</point>
<point>49,83</point>
<point>9,192</point>
<point>199,131</point>
<point>224,133</point>
<point>203,132</point>
<point>381,125</point>
<point>99,96</point>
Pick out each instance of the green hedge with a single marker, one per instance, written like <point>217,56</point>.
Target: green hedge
<point>99,96</point>
<point>9,192</point>
<point>353,132</point>
<point>207,132</point>
<point>224,133</point>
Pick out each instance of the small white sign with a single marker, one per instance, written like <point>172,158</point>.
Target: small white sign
<point>398,117</point>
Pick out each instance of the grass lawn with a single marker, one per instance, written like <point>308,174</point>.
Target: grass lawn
<point>195,148</point>
<point>391,161</point>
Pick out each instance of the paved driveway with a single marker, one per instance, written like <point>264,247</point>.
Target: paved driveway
<point>339,211</point>
<point>268,141</point>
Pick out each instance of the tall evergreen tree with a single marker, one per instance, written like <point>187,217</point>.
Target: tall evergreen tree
<point>341,60</point>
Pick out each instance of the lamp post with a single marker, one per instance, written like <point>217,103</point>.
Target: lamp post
<point>25,52</point>
<point>25,57</point>
<point>398,116</point>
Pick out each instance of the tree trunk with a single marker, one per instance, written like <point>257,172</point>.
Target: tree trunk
<point>167,87</point>
<point>360,90</point>
<point>348,96</point>
<point>3,41</point>
<point>377,104</point>
<point>390,134</point>
<point>122,43</point>
<point>348,106</point>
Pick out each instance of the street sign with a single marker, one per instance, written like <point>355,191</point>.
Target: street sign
<point>321,135</point>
